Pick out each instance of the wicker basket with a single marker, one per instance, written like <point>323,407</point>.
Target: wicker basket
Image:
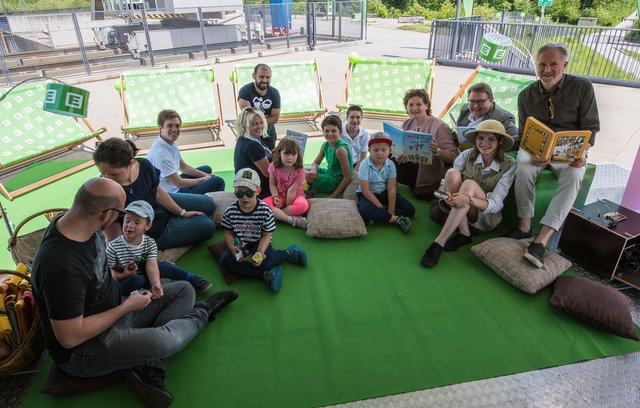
<point>23,248</point>
<point>30,348</point>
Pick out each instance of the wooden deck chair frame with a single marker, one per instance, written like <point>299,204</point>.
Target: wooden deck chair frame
<point>308,118</point>
<point>12,168</point>
<point>459,93</point>
<point>213,126</point>
<point>379,115</point>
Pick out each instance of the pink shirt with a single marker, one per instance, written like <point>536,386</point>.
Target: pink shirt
<point>285,179</point>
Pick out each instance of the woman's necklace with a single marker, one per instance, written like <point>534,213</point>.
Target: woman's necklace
<point>420,126</point>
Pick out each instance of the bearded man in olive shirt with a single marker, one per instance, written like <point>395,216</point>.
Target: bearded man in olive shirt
<point>562,102</point>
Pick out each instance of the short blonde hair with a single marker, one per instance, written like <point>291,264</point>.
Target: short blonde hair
<point>245,118</point>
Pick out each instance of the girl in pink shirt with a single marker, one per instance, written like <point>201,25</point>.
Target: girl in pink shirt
<point>286,177</point>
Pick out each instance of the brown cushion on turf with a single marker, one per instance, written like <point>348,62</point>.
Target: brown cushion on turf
<point>217,249</point>
<point>595,304</point>
<point>222,199</point>
<point>506,257</point>
<point>350,192</point>
<point>334,218</point>
<point>61,383</point>
<point>172,254</point>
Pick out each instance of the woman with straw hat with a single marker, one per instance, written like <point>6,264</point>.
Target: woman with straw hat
<point>474,189</point>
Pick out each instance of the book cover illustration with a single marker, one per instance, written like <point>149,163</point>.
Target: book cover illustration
<point>558,147</point>
<point>567,148</point>
<point>461,131</point>
<point>299,137</point>
<point>414,145</point>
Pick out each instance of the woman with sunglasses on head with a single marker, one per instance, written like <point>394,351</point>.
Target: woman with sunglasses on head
<point>474,189</point>
<point>179,219</point>
<point>251,150</point>
<point>424,179</point>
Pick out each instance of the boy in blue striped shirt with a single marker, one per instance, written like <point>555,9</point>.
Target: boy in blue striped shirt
<point>248,224</point>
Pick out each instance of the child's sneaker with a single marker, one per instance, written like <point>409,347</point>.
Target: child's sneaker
<point>273,278</point>
<point>296,255</point>
<point>404,223</point>
<point>200,284</point>
<point>300,222</point>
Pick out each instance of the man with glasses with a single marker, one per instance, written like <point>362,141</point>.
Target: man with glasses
<point>480,107</point>
<point>261,95</point>
<point>88,329</point>
<point>562,102</point>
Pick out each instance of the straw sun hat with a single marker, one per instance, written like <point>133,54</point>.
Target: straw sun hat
<point>491,126</point>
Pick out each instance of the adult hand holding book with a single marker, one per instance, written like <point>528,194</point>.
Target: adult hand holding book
<point>565,147</point>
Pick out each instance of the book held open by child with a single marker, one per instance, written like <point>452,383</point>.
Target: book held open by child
<point>414,145</point>
<point>558,147</point>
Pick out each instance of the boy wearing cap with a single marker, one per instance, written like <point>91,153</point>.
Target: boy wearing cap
<point>248,224</point>
<point>132,257</point>
<point>378,199</point>
<point>475,188</point>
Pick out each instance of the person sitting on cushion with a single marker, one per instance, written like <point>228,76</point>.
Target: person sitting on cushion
<point>250,150</point>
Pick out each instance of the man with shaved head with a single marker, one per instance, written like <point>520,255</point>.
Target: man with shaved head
<point>88,328</point>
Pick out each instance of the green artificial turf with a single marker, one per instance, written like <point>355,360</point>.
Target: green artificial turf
<point>363,319</point>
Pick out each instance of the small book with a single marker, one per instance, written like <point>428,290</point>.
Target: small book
<point>414,145</point>
<point>299,137</point>
<point>461,131</point>
<point>558,147</point>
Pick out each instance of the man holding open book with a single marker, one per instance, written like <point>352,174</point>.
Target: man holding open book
<point>562,102</point>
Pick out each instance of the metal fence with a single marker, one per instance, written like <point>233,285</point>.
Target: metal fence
<point>606,55</point>
<point>80,43</point>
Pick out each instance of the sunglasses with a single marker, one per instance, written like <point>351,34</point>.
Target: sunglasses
<point>119,211</point>
<point>240,194</point>
<point>550,109</point>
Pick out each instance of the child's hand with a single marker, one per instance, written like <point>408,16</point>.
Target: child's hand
<point>156,291</point>
<point>129,270</point>
<point>277,202</point>
<point>459,200</point>
<point>311,174</point>
<point>238,254</point>
<point>257,259</point>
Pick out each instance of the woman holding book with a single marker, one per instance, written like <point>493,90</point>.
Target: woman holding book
<point>424,179</point>
<point>475,189</point>
<point>250,150</point>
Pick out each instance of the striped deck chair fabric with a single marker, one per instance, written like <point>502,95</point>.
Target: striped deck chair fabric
<point>30,134</point>
<point>297,82</point>
<point>189,91</point>
<point>379,84</point>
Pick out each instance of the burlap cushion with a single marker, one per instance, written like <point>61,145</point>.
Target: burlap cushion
<point>172,254</point>
<point>505,257</point>
<point>595,304</point>
<point>334,218</point>
<point>222,199</point>
<point>350,192</point>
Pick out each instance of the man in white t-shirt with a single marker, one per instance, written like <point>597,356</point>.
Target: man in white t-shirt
<point>165,156</point>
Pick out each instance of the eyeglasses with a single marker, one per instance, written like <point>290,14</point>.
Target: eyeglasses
<point>477,101</point>
<point>119,211</point>
<point>240,194</point>
<point>550,109</point>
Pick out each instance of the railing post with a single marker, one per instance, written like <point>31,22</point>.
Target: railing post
<point>147,36</point>
<point>202,33</point>
<point>333,17</point>
<point>76,26</point>
<point>5,68</point>
<point>338,9</point>
<point>287,18</point>
<point>363,12</point>
<point>247,21</point>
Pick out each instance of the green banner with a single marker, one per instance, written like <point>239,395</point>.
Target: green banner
<point>548,3</point>
<point>468,7</point>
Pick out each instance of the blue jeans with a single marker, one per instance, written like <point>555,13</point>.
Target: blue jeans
<point>273,258</point>
<point>368,211</point>
<point>167,270</point>
<point>143,338</point>
<point>180,231</point>
<point>210,185</point>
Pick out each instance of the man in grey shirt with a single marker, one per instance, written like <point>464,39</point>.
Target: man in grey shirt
<point>562,102</point>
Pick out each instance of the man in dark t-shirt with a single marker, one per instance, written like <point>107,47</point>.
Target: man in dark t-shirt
<point>87,328</point>
<point>261,95</point>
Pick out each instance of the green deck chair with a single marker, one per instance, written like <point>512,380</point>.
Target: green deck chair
<point>379,84</point>
<point>299,84</point>
<point>30,134</point>
<point>505,86</point>
<point>192,92</point>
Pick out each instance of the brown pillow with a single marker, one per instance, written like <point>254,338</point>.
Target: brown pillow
<point>172,254</point>
<point>350,192</point>
<point>217,249</point>
<point>222,199</point>
<point>61,383</point>
<point>595,304</point>
<point>506,257</point>
<point>334,218</point>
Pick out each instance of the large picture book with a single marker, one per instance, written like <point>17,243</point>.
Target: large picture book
<point>414,145</point>
<point>558,147</point>
<point>299,137</point>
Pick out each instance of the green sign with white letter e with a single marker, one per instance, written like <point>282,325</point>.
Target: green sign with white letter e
<point>545,3</point>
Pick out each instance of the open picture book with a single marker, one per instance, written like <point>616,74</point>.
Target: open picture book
<point>461,131</point>
<point>299,137</point>
<point>414,145</point>
<point>558,147</point>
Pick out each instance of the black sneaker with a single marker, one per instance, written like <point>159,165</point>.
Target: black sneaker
<point>519,234</point>
<point>431,255</point>
<point>200,284</point>
<point>535,254</point>
<point>296,255</point>
<point>404,223</point>
<point>456,242</point>
<point>218,301</point>
<point>148,384</point>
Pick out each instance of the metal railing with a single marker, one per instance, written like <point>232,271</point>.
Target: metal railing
<point>80,43</point>
<point>606,55</point>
